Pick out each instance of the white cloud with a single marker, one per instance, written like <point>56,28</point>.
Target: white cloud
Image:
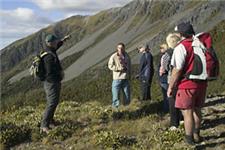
<point>85,6</point>
<point>18,23</point>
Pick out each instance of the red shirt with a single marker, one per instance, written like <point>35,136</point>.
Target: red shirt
<point>185,83</point>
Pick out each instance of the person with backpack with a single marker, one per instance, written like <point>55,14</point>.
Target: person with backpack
<point>53,75</point>
<point>191,93</point>
<point>146,71</point>
<point>175,115</point>
<point>120,64</point>
<point>162,75</point>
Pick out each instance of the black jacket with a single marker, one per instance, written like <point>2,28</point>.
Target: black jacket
<point>146,69</point>
<point>53,68</point>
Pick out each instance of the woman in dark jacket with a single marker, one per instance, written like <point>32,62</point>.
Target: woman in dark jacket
<point>146,71</point>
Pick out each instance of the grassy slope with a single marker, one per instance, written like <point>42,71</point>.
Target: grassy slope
<point>218,34</point>
<point>92,125</point>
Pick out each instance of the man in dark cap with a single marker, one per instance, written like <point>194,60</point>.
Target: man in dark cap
<point>146,71</point>
<point>53,76</point>
<point>190,95</point>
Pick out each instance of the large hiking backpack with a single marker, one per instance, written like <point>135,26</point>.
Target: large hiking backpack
<point>37,69</point>
<point>206,64</point>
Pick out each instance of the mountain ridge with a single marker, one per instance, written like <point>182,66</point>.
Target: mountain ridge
<point>109,22</point>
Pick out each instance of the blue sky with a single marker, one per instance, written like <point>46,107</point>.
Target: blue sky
<point>19,18</point>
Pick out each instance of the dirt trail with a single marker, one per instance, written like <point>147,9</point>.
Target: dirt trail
<point>213,125</point>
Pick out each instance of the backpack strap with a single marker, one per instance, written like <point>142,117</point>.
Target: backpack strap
<point>205,38</point>
<point>42,54</point>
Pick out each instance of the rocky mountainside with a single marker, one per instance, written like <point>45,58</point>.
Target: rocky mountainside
<point>96,36</point>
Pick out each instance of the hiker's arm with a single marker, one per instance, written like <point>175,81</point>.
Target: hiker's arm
<point>178,62</point>
<point>173,80</point>
<point>129,65</point>
<point>61,42</point>
<point>142,65</point>
<point>112,66</point>
<point>65,38</point>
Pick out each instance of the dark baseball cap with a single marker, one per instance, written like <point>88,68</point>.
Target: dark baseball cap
<point>51,38</point>
<point>185,28</point>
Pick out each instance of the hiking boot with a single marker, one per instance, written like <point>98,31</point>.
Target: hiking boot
<point>53,124</point>
<point>45,130</point>
<point>189,140</point>
<point>197,138</point>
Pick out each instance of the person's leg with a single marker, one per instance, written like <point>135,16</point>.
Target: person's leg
<point>149,89</point>
<point>52,95</point>
<point>185,102</point>
<point>199,102</point>
<point>164,87</point>
<point>148,92</point>
<point>188,121</point>
<point>174,121</point>
<point>58,90</point>
<point>115,93</point>
<point>126,91</point>
<point>197,124</point>
<point>188,125</point>
<point>143,91</point>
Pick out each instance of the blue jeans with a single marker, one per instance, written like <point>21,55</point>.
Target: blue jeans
<point>118,85</point>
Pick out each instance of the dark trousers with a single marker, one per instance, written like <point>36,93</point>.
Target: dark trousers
<point>52,91</point>
<point>175,114</point>
<point>164,87</point>
<point>146,90</point>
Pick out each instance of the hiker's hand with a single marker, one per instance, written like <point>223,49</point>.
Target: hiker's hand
<point>169,92</point>
<point>66,37</point>
<point>124,69</point>
<point>137,76</point>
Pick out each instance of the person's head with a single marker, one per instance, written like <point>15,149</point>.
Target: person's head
<point>143,48</point>
<point>172,39</point>
<point>120,48</point>
<point>51,41</point>
<point>163,48</point>
<point>185,29</point>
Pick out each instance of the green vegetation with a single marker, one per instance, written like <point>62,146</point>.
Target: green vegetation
<point>90,124</point>
<point>160,9</point>
<point>218,34</point>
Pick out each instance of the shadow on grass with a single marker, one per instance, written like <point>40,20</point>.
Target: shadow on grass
<point>213,144</point>
<point>145,110</point>
<point>212,103</point>
<point>211,123</point>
